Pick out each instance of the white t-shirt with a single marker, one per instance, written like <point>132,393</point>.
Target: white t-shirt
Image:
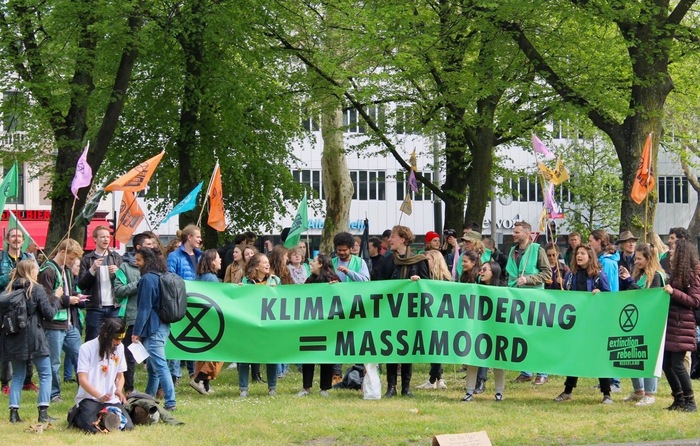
<point>101,372</point>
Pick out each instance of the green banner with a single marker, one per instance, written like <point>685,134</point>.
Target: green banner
<point>558,332</point>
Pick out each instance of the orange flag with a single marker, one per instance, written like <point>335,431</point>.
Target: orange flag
<point>130,216</point>
<point>136,179</point>
<point>644,181</point>
<point>216,220</point>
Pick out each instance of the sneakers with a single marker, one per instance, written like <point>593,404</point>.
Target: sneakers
<point>390,392</point>
<point>176,380</point>
<point>540,380</point>
<point>56,399</point>
<point>170,408</point>
<point>428,385</point>
<point>407,393</point>
<point>498,397</point>
<point>634,397</point>
<point>243,394</point>
<point>606,400</point>
<point>272,392</point>
<point>303,392</point>
<point>30,386</point>
<point>615,388</point>
<point>232,366</point>
<point>480,386</point>
<point>6,389</point>
<point>198,386</point>
<point>522,379</point>
<point>324,393</point>
<point>441,384</point>
<point>563,397</point>
<point>468,398</point>
<point>646,400</point>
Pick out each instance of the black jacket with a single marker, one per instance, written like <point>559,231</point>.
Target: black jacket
<point>89,283</point>
<point>31,343</point>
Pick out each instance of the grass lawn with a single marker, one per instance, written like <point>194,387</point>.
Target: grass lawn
<point>527,416</point>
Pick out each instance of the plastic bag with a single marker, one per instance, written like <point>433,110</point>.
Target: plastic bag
<point>371,385</point>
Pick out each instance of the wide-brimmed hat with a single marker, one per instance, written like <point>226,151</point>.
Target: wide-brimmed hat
<point>626,235</point>
<point>471,236</point>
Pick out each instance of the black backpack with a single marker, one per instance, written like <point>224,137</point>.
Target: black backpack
<point>13,311</point>
<point>173,298</point>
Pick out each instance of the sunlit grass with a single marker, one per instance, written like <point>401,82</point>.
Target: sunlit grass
<point>528,416</point>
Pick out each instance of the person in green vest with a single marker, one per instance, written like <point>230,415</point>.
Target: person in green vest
<point>527,267</point>
<point>348,267</point>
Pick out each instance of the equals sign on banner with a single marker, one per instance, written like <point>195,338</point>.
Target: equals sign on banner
<point>308,344</point>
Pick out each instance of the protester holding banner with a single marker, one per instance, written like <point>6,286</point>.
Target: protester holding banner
<point>30,344</point>
<point>258,273</point>
<point>322,271</point>
<point>647,274</point>
<point>349,267</point>
<point>126,289</point>
<point>61,332</point>
<point>8,260</point>
<point>684,288</point>
<point>204,371</point>
<point>148,328</point>
<point>489,274</point>
<point>527,267</point>
<point>586,275</point>
<point>403,264</point>
<point>438,270</point>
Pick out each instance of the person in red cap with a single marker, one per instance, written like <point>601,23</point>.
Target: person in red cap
<point>432,241</point>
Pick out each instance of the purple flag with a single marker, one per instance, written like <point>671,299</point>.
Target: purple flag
<point>549,203</point>
<point>413,182</point>
<point>540,148</point>
<point>83,173</point>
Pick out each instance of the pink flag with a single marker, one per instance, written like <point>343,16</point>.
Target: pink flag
<point>83,173</point>
<point>413,182</point>
<point>540,148</point>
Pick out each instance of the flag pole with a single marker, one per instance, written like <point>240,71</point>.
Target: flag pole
<point>646,197</point>
<point>206,196</point>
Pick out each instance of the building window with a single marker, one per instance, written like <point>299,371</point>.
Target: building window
<point>20,183</point>
<point>527,189</point>
<point>405,120</point>
<point>423,194</point>
<point>368,184</point>
<point>311,179</point>
<point>354,123</point>
<point>673,189</point>
<point>311,123</point>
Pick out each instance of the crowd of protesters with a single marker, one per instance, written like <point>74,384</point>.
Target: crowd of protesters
<point>120,296</point>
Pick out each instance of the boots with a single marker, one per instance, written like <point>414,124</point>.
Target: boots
<point>44,415</point>
<point>390,392</point>
<point>678,402</point>
<point>14,415</point>
<point>690,405</point>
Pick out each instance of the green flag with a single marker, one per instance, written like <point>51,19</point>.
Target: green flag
<point>9,186</point>
<point>14,223</point>
<point>300,224</point>
<point>85,216</point>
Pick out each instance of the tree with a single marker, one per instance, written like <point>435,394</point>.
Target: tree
<point>209,78</point>
<point>629,47</point>
<point>76,75</point>
<point>464,80</point>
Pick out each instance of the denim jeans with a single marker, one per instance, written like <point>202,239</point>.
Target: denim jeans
<point>19,370</point>
<point>94,319</point>
<point>243,375</point>
<point>529,374</point>
<point>648,385</point>
<point>158,373</point>
<point>60,340</point>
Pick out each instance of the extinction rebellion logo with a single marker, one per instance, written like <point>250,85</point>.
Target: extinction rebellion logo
<point>203,325</point>
<point>628,352</point>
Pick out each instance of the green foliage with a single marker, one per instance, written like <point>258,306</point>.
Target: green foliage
<point>595,186</point>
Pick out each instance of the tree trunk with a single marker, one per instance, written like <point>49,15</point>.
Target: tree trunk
<point>337,185</point>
